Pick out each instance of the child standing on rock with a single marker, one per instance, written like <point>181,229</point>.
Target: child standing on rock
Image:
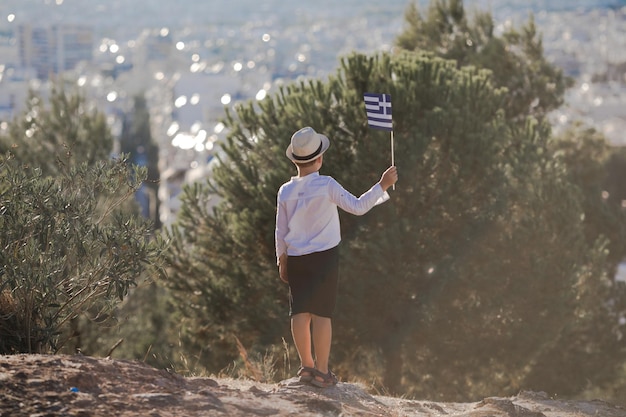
<point>307,248</point>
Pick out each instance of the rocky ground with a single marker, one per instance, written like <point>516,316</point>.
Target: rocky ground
<point>40,385</point>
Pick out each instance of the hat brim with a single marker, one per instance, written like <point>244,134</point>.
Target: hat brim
<point>325,146</point>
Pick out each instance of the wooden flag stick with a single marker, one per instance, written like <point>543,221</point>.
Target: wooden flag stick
<point>393,159</point>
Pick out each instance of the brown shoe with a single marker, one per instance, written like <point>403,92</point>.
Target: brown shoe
<point>327,380</point>
<point>306,374</point>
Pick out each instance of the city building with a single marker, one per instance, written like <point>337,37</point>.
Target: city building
<point>52,50</point>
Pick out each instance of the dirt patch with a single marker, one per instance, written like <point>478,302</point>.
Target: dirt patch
<point>41,385</point>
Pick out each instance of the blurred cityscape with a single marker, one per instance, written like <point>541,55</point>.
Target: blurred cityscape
<point>188,75</point>
<point>191,59</point>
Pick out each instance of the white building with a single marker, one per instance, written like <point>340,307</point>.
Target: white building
<point>54,49</point>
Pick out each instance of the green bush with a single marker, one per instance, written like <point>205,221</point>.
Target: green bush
<point>67,248</point>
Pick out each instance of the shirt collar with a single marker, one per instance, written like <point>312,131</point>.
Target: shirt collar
<point>310,176</point>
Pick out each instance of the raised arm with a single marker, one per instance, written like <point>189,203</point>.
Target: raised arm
<point>361,205</point>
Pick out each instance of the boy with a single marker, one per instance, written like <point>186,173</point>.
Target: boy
<point>307,238</point>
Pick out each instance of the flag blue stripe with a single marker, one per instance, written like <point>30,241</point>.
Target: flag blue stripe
<point>382,126</point>
<point>380,119</point>
<point>377,110</point>
<point>380,122</point>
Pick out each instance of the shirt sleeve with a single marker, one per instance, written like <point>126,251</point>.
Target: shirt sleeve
<point>355,205</point>
<point>281,228</point>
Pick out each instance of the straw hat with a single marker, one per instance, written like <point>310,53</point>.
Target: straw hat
<point>306,145</point>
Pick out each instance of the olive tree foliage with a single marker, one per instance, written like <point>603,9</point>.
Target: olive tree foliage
<point>70,247</point>
<point>472,270</point>
<point>515,56</point>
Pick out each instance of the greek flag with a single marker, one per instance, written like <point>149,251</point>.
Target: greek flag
<point>378,109</point>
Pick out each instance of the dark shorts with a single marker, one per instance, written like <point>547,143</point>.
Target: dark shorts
<point>313,282</point>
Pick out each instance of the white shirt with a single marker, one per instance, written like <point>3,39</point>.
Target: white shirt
<point>307,219</point>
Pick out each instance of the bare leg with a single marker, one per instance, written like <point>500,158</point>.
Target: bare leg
<point>301,332</point>
<point>322,338</point>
